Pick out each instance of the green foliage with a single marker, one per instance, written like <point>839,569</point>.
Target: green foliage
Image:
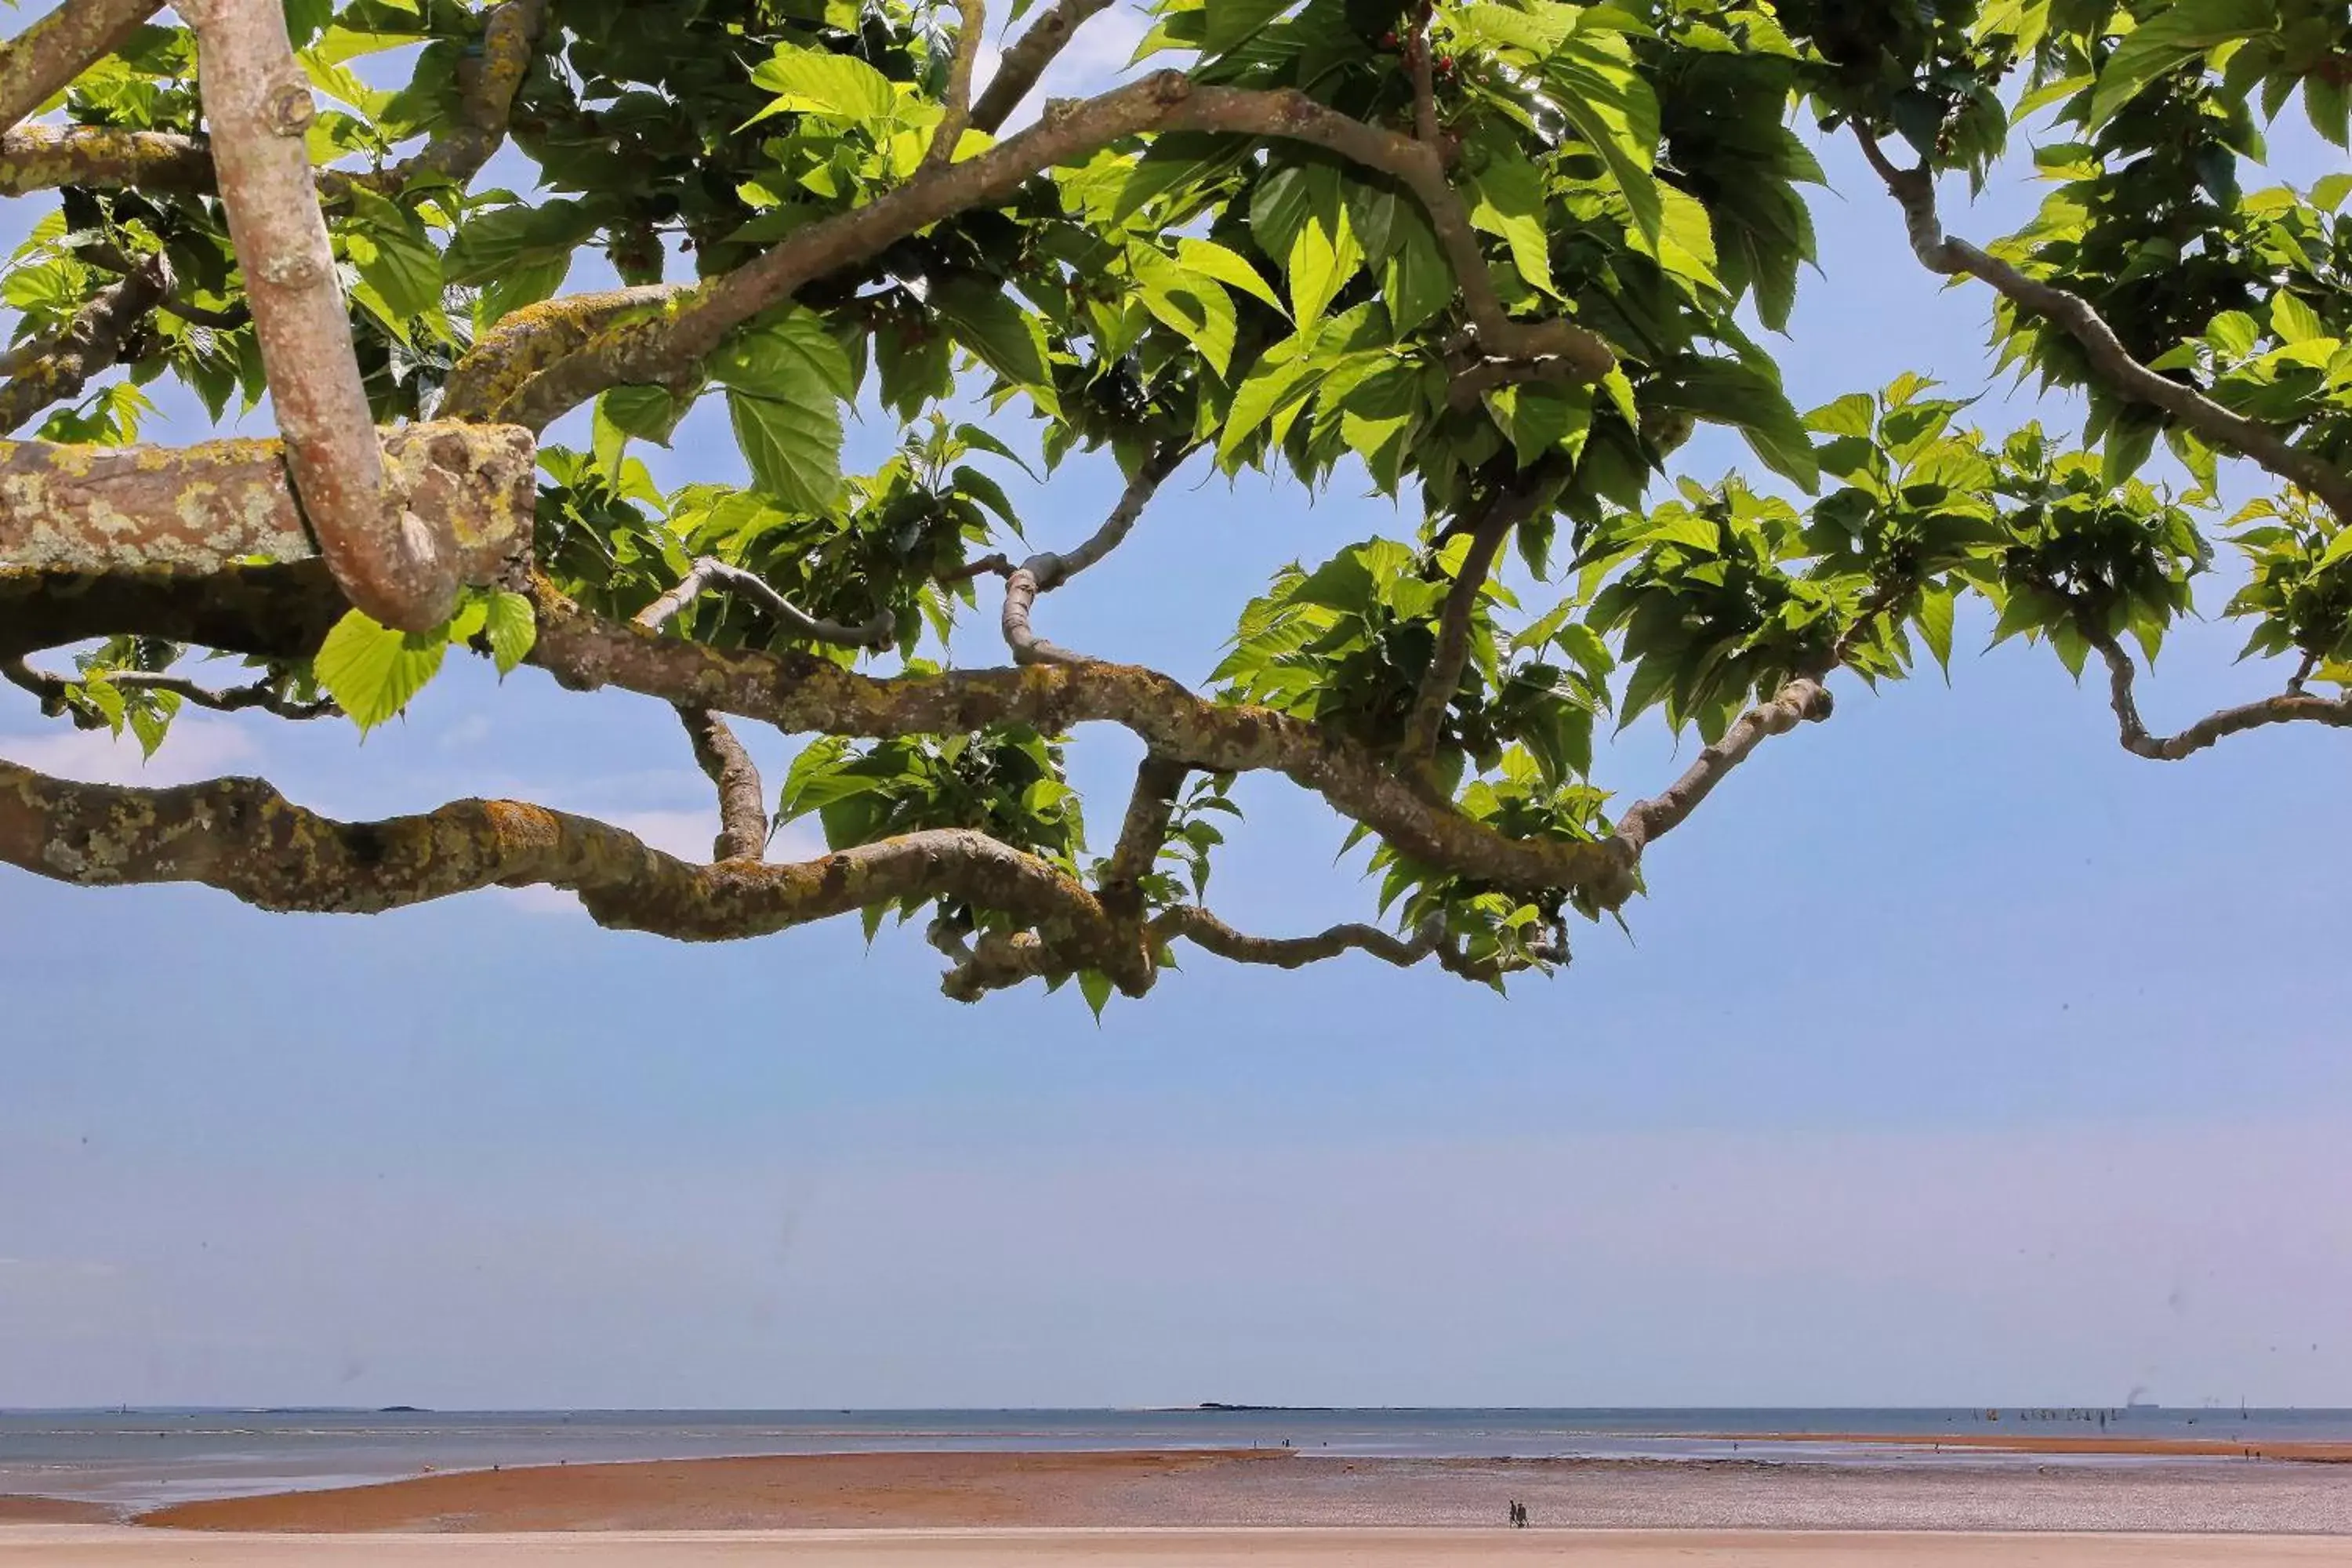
<point>1640,169</point>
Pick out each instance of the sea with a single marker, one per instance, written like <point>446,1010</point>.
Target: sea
<point>141,1459</point>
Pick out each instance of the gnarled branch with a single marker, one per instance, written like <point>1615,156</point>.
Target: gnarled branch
<point>486,100</point>
<point>2292,706</point>
<point>1915,189</point>
<point>1205,931</point>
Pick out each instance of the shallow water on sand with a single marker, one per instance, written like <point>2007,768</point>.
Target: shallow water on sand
<point>141,1459</point>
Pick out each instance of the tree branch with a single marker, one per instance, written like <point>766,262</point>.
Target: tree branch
<point>2261,444</point>
<point>52,690</point>
<point>1505,510</point>
<point>389,562</point>
<point>693,321</point>
<point>1043,573</point>
<point>1149,809</point>
<point>45,157</point>
<point>801,694</point>
<point>1424,87</point>
<point>41,61</point>
<point>879,632</point>
<point>198,512</point>
<point>1026,61</point>
<point>55,370</point>
<point>486,100</point>
<point>2292,706</point>
<point>244,837</point>
<point>1800,702</point>
<point>1205,931</point>
<point>742,807</point>
<point>973,28</point>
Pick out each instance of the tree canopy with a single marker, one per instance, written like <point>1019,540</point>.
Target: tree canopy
<point>1496,259</point>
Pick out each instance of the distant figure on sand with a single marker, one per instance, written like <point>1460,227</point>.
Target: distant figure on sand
<point>1519,1514</point>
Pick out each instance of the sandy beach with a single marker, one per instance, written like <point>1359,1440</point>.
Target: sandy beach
<point>1270,1489</point>
<point>24,1546</point>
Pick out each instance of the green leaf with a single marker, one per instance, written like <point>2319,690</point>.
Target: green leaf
<point>793,447</point>
<point>1935,618</point>
<point>2294,321</point>
<point>1095,986</point>
<point>1507,200</point>
<point>816,81</point>
<point>512,629</point>
<point>2233,334</point>
<point>1006,337</point>
<point>2169,39</point>
<point>1211,259</point>
<point>491,243</point>
<point>1232,22</point>
<point>1189,305</point>
<point>372,671</point>
<point>647,413</point>
<point>1591,80</point>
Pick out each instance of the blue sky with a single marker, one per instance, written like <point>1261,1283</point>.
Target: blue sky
<point>1957,1057</point>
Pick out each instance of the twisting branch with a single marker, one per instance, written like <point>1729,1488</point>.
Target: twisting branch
<point>1504,511</point>
<point>972,28</point>
<point>244,837</point>
<point>389,563</point>
<point>1915,189</point>
<point>710,572</point>
<point>45,157</point>
<point>693,321</point>
<point>2292,706</point>
<point>743,807</point>
<point>55,370</point>
<point>38,63</point>
<point>1027,60</point>
<point>1204,930</point>
<point>487,88</point>
<point>1043,573</point>
<point>1149,809</point>
<point>54,691</point>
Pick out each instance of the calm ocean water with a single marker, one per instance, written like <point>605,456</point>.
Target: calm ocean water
<point>139,1458</point>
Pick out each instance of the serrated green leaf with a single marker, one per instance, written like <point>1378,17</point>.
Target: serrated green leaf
<point>511,627</point>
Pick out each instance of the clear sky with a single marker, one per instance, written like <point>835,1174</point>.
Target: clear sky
<point>1957,1058</point>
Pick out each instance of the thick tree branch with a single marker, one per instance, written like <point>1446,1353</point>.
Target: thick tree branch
<point>692,321</point>
<point>2292,706</point>
<point>708,572</point>
<point>2113,363</point>
<point>1026,61</point>
<point>801,693</point>
<point>55,370</point>
<point>244,838</point>
<point>973,26</point>
<point>198,512</point>
<point>53,691</point>
<point>526,341</point>
<point>38,63</point>
<point>45,157</point>
<point>742,807</point>
<point>391,561</point>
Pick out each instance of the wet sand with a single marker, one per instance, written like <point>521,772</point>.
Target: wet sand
<point>2040,1443</point>
<point>24,1546</point>
<point>1271,1488</point>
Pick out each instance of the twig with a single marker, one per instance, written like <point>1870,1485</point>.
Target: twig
<point>1043,573</point>
<point>54,691</point>
<point>389,561</point>
<point>958,114</point>
<point>2292,706</point>
<point>1915,189</point>
<point>709,571</point>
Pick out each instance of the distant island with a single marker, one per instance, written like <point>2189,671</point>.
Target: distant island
<point>1297,1409</point>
